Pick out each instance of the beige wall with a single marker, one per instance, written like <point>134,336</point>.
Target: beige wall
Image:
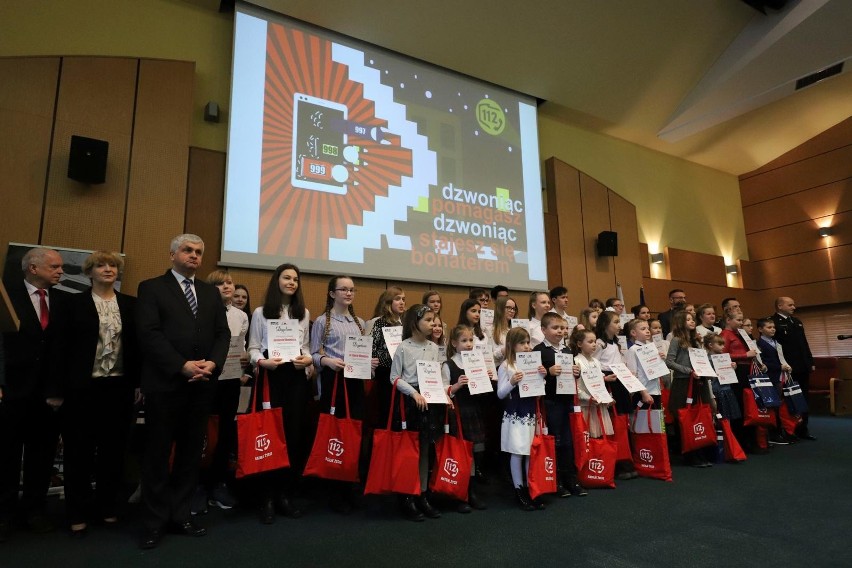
<point>672,196</point>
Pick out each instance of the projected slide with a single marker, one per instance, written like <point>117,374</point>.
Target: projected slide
<point>345,158</point>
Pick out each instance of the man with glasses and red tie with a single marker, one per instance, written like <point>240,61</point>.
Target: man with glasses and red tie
<point>183,336</point>
<point>30,391</point>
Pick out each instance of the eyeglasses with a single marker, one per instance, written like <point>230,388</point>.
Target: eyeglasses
<point>345,290</point>
<point>512,308</point>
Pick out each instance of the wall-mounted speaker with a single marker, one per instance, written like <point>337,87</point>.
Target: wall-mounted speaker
<point>87,160</point>
<point>607,243</point>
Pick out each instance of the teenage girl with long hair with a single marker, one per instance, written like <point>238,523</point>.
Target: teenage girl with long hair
<point>289,388</point>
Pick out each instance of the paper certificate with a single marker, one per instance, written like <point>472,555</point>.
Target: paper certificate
<point>486,318</point>
<point>565,382</point>
<point>594,382</point>
<point>430,383</point>
<point>442,352</point>
<point>622,343</point>
<point>624,318</point>
<point>533,382</point>
<point>524,323</point>
<point>752,344</point>
<point>722,364</point>
<point>356,357</point>
<point>649,359</point>
<point>630,382</point>
<point>233,367</point>
<point>659,342</point>
<point>476,372</point>
<point>283,339</point>
<point>700,362</point>
<point>572,322</point>
<point>393,337</point>
<point>488,356</point>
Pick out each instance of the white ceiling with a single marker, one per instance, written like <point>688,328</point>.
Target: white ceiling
<point>710,81</point>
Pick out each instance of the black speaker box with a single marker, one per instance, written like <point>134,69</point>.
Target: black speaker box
<point>87,160</point>
<point>607,243</point>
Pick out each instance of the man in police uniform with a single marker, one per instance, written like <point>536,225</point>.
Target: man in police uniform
<point>790,333</point>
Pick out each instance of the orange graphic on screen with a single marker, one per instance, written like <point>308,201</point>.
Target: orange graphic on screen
<point>326,156</point>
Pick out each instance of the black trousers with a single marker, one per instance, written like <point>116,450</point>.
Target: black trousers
<point>29,429</point>
<point>804,380</point>
<point>559,426</point>
<point>226,399</point>
<point>180,418</point>
<point>96,423</point>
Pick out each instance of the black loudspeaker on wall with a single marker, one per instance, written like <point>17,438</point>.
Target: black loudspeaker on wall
<point>87,160</point>
<point>607,243</point>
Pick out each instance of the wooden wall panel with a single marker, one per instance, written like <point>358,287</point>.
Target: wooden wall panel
<point>27,100</point>
<point>600,273</point>
<point>158,171</point>
<point>563,197</point>
<point>205,194</point>
<point>816,293</point>
<point>835,137</point>
<point>800,237</point>
<point>753,301</point>
<point>553,248</point>
<point>821,201</point>
<point>628,267</point>
<point>811,267</point>
<point>644,260</point>
<point>688,266</point>
<point>96,100</point>
<point>819,170</point>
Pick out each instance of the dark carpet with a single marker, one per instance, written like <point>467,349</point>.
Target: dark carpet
<point>789,508</point>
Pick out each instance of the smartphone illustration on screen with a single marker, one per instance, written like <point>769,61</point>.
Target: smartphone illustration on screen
<point>318,143</point>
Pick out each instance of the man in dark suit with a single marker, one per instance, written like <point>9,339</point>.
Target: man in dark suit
<point>183,337</point>
<point>31,391</point>
<point>790,333</point>
<point>677,299</point>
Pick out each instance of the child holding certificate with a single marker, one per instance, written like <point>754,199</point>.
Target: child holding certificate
<point>328,346</point>
<point>388,313</point>
<point>416,346</point>
<point>639,335</point>
<point>518,428</point>
<point>559,405</point>
<point>726,401</point>
<point>461,340</point>
<point>609,351</point>
<point>289,388</point>
<point>583,346</point>
<point>684,337</point>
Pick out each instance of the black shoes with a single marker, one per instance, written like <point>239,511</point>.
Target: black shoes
<point>410,510</point>
<point>284,507</point>
<point>474,500</point>
<point>267,512</point>
<point>562,491</point>
<point>524,500</point>
<point>189,528</point>
<point>151,539</point>
<point>426,507</point>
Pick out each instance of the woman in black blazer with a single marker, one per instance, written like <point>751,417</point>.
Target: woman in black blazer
<point>99,393</point>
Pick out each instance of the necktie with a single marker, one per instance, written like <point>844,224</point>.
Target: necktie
<point>42,307</point>
<point>190,296</point>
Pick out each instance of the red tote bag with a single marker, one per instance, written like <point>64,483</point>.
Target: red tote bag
<point>261,445</point>
<point>789,421</point>
<point>733,451</point>
<point>621,428</point>
<point>665,395</point>
<point>599,469</point>
<point>754,415</point>
<point>651,453</point>
<point>542,474</point>
<point>696,424</point>
<point>337,444</point>
<point>453,461</point>
<point>395,463</point>
<point>579,435</point>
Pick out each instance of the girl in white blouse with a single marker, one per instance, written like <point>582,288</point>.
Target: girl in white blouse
<point>289,388</point>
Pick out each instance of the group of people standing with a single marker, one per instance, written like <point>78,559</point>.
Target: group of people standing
<point>80,364</point>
